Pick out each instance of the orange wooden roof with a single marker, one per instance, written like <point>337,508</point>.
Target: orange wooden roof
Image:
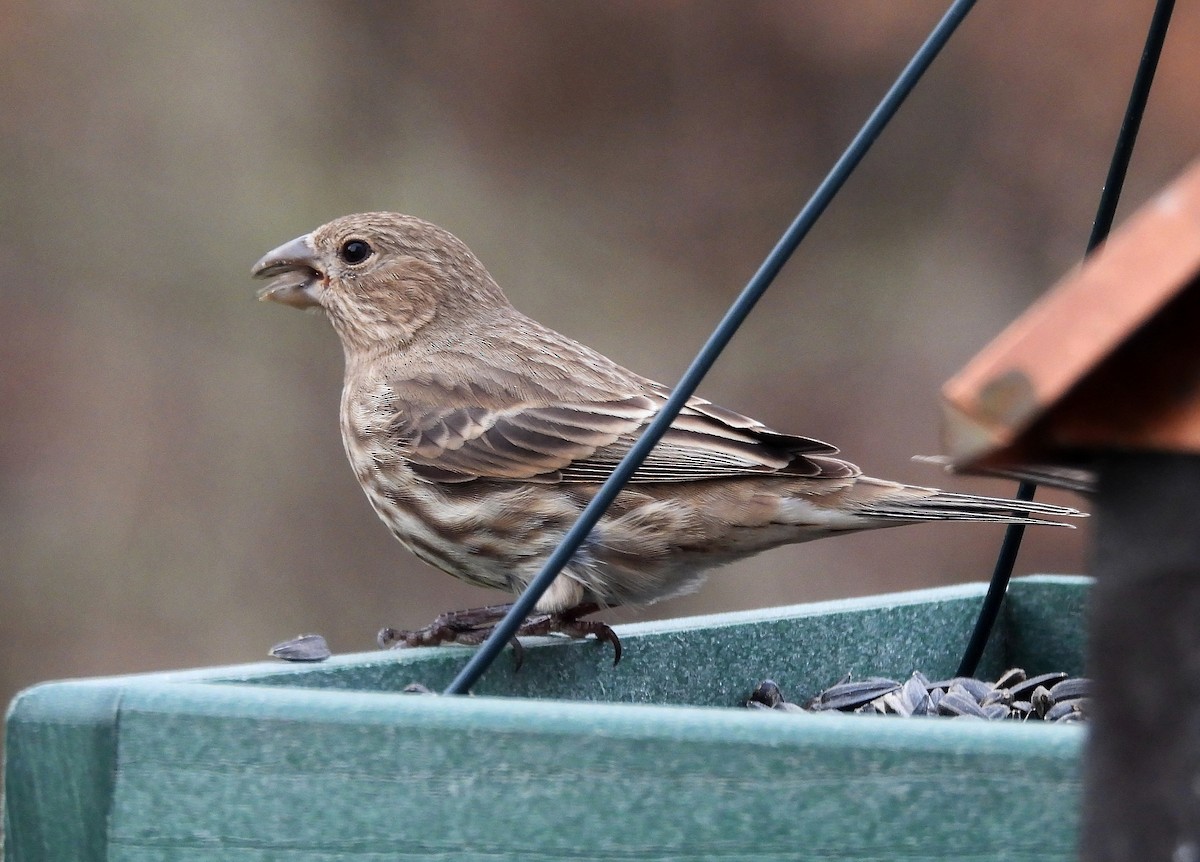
<point>1108,359</point>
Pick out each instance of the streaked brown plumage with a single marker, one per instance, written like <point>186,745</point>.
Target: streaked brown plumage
<point>478,434</point>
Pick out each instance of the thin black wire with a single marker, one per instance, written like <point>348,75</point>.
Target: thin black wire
<point>738,312</point>
<point>1105,212</point>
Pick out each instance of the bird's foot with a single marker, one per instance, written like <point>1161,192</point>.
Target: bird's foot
<point>469,627</point>
<point>472,627</point>
<point>569,623</point>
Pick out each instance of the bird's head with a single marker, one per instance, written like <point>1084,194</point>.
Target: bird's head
<point>381,278</point>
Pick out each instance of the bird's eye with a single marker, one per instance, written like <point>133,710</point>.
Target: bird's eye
<point>354,251</point>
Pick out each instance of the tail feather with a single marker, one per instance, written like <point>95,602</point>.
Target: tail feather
<point>927,504</point>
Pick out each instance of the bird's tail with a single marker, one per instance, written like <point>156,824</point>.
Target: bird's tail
<point>912,503</point>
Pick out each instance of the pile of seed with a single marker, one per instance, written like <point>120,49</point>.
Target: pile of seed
<point>1015,696</point>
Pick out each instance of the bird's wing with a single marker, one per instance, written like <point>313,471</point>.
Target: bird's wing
<point>583,442</point>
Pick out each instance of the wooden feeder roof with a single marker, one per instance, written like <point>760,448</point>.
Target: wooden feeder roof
<point>1108,359</point>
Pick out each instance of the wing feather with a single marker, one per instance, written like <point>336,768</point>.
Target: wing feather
<point>584,442</point>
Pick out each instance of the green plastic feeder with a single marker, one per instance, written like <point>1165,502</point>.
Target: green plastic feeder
<point>570,758</point>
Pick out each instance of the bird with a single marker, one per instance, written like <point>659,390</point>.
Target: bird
<point>479,435</point>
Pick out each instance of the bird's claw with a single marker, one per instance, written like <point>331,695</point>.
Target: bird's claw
<point>570,625</point>
<point>471,627</point>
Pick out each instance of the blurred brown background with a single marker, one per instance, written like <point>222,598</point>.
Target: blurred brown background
<point>172,487</point>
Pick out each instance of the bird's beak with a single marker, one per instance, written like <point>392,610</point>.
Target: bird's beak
<point>294,273</point>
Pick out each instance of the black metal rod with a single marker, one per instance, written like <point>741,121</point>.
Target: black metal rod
<point>1110,195</point>
<point>738,312</point>
<point>1119,167</point>
<point>989,611</point>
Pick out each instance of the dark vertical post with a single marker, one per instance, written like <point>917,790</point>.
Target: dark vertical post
<point>1142,794</point>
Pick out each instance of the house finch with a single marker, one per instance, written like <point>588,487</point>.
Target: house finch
<point>479,435</point>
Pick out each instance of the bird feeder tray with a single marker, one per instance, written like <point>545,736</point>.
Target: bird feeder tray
<point>569,758</point>
<point>1108,359</point>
